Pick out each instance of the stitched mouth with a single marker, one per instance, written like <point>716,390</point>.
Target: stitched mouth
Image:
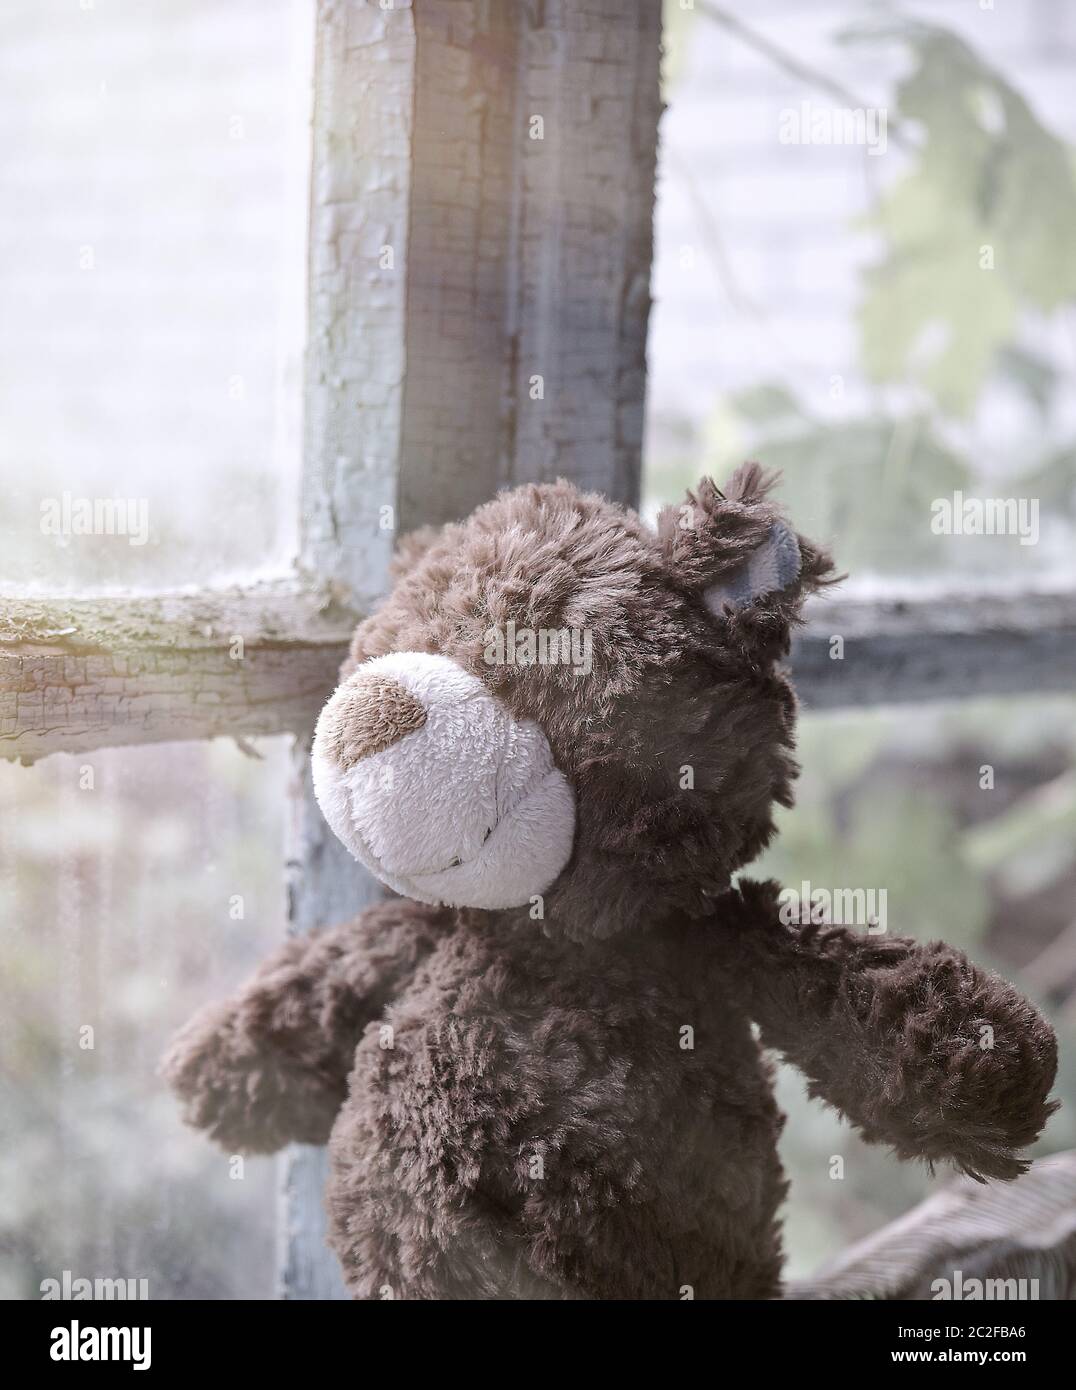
<point>414,872</point>
<point>458,863</point>
<point>503,823</point>
<point>506,807</point>
<point>510,859</point>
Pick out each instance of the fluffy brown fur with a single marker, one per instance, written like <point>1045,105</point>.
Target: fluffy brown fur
<point>577,1108</point>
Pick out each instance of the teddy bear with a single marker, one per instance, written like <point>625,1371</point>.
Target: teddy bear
<point>543,1069</point>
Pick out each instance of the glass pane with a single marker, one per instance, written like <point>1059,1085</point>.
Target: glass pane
<point>865,276</point>
<point>965,817</point>
<point>153,177</point>
<point>136,885</point>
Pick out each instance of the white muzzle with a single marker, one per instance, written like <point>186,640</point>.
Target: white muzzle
<point>433,785</point>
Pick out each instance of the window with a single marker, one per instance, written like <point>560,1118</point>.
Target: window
<point>284,278</point>
<point>132,878</point>
<point>154,187</point>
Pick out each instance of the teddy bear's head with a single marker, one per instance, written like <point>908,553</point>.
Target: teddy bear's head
<point>558,705</point>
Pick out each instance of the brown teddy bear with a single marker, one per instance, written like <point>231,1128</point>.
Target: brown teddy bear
<point>559,738</point>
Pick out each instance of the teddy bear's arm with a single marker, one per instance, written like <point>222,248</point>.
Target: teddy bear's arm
<point>918,1047</point>
<point>269,1066</point>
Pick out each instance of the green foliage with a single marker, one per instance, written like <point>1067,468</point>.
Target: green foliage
<point>977,230</point>
<point>1036,377</point>
<point>676,26</point>
<point>1053,481</point>
<point>985,180</point>
<point>843,834</point>
<point>868,480</point>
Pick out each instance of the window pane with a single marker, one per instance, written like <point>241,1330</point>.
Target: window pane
<point>136,885</point>
<point>865,276</point>
<point>965,817</point>
<point>153,177</point>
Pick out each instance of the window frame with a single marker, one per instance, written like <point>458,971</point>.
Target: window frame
<point>487,312</point>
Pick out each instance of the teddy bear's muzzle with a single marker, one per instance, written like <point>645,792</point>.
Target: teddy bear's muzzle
<point>438,789</point>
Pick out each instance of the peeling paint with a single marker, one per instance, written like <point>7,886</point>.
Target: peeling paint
<point>137,670</point>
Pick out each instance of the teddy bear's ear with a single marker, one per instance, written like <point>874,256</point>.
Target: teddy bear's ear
<point>734,547</point>
<point>771,568</point>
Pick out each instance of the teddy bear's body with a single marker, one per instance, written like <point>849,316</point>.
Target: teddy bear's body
<point>553,1088</point>
<point>551,1120</point>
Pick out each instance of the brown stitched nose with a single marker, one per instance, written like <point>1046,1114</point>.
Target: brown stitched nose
<point>366,715</point>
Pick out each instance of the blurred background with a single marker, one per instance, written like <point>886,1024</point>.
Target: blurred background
<point>153,276</point>
<point>817,306</point>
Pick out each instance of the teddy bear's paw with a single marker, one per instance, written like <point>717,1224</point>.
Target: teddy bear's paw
<point>247,1094</point>
<point>969,1065</point>
<point>920,1049</point>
